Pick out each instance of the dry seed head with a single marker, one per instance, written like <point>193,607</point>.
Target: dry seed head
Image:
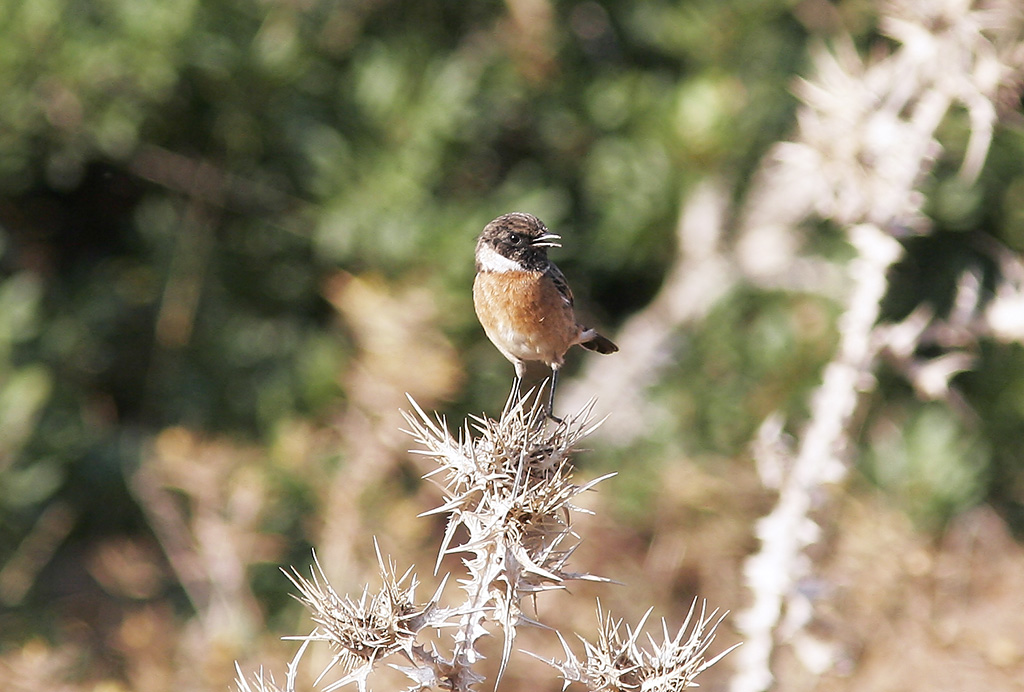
<point>372,627</point>
<point>512,484</point>
<point>619,662</point>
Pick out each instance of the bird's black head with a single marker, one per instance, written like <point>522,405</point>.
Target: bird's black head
<point>515,241</point>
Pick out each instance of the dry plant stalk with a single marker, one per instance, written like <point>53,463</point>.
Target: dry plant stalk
<point>866,138</point>
<point>510,488</point>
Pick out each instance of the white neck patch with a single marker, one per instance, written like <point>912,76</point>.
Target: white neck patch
<point>492,261</point>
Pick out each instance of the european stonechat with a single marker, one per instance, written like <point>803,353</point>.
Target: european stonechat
<point>523,300</point>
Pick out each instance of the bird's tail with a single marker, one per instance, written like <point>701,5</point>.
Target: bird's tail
<point>592,341</point>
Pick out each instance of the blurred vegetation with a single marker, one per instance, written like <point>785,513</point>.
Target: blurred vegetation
<point>204,206</point>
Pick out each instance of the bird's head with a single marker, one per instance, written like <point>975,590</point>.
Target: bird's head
<point>514,242</point>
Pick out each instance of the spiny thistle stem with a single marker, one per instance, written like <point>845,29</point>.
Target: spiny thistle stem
<point>511,489</point>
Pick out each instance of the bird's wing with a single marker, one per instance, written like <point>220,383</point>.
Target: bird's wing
<point>561,284</point>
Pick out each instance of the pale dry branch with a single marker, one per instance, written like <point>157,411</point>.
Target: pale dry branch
<point>866,137</point>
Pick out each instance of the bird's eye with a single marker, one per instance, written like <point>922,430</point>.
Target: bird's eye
<point>515,239</point>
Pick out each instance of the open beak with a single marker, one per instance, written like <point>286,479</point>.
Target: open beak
<point>547,240</point>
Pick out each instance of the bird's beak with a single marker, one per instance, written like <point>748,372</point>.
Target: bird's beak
<point>547,240</point>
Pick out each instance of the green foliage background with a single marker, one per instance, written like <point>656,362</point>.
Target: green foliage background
<point>179,180</point>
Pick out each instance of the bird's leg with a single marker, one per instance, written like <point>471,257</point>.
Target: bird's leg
<point>551,395</point>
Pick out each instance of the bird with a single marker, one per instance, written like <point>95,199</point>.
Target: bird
<point>523,300</point>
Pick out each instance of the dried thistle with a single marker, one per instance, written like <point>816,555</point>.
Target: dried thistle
<point>511,487</point>
<point>619,663</point>
<point>372,628</point>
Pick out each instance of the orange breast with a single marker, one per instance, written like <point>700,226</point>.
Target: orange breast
<point>525,316</point>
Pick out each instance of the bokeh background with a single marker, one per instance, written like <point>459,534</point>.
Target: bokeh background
<point>235,233</point>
